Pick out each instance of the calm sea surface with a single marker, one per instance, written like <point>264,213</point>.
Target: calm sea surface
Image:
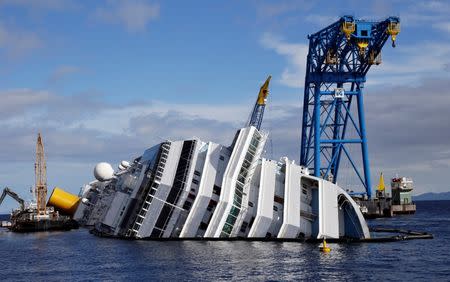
<point>80,256</point>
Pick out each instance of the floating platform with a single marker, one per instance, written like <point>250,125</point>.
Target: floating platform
<point>375,208</point>
<point>404,209</point>
<point>28,221</point>
<point>383,207</point>
<point>43,225</point>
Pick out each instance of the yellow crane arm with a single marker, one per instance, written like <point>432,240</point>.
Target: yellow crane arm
<point>264,92</point>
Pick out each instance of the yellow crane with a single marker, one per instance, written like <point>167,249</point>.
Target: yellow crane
<point>40,169</point>
<point>381,188</point>
<point>257,114</point>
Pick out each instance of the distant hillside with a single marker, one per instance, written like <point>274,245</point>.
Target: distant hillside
<point>432,196</point>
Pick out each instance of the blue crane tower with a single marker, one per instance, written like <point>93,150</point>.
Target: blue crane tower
<point>339,58</point>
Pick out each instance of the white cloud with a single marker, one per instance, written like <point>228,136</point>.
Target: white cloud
<point>17,101</point>
<point>279,8</point>
<point>295,53</point>
<point>321,20</point>
<point>445,26</point>
<point>86,124</point>
<point>62,72</point>
<point>41,5</point>
<point>426,13</point>
<point>410,63</point>
<point>433,6</point>
<point>29,110</point>
<point>133,14</point>
<point>116,120</point>
<point>17,42</point>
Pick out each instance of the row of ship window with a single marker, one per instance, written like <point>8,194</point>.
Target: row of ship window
<point>240,183</point>
<point>153,189</point>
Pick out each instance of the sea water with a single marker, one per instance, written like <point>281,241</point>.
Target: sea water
<point>79,256</point>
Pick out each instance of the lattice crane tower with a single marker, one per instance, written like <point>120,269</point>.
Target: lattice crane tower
<point>40,169</point>
<point>339,58</point>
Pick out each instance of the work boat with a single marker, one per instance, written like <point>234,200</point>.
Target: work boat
<point>196,189</point>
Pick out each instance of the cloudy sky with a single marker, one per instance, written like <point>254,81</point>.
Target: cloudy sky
<point>103,80</point>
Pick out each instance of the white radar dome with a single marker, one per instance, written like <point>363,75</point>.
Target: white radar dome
<point>103,172</point>
<point>124,165</point>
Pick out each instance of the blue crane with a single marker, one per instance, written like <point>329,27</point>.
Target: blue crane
<point>339,58</point>
<point>256,117</point>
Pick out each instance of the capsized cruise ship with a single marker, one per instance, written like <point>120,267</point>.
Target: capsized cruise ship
<point>199,189</point>
<point>192,189</point>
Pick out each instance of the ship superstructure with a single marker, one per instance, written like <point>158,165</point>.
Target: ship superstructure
<point>402,188</point>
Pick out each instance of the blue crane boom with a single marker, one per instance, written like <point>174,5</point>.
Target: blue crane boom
<point>339,58</point>
<point>257,114</point>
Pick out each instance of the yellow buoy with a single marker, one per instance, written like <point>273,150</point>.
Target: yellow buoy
<point>324,248</point>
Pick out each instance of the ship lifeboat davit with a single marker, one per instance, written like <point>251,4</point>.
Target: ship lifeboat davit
<point>63,201</point>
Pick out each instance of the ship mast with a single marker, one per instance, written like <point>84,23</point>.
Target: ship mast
<point>40,169</point>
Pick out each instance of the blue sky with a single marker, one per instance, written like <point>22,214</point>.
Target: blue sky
<point>103,80</point>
